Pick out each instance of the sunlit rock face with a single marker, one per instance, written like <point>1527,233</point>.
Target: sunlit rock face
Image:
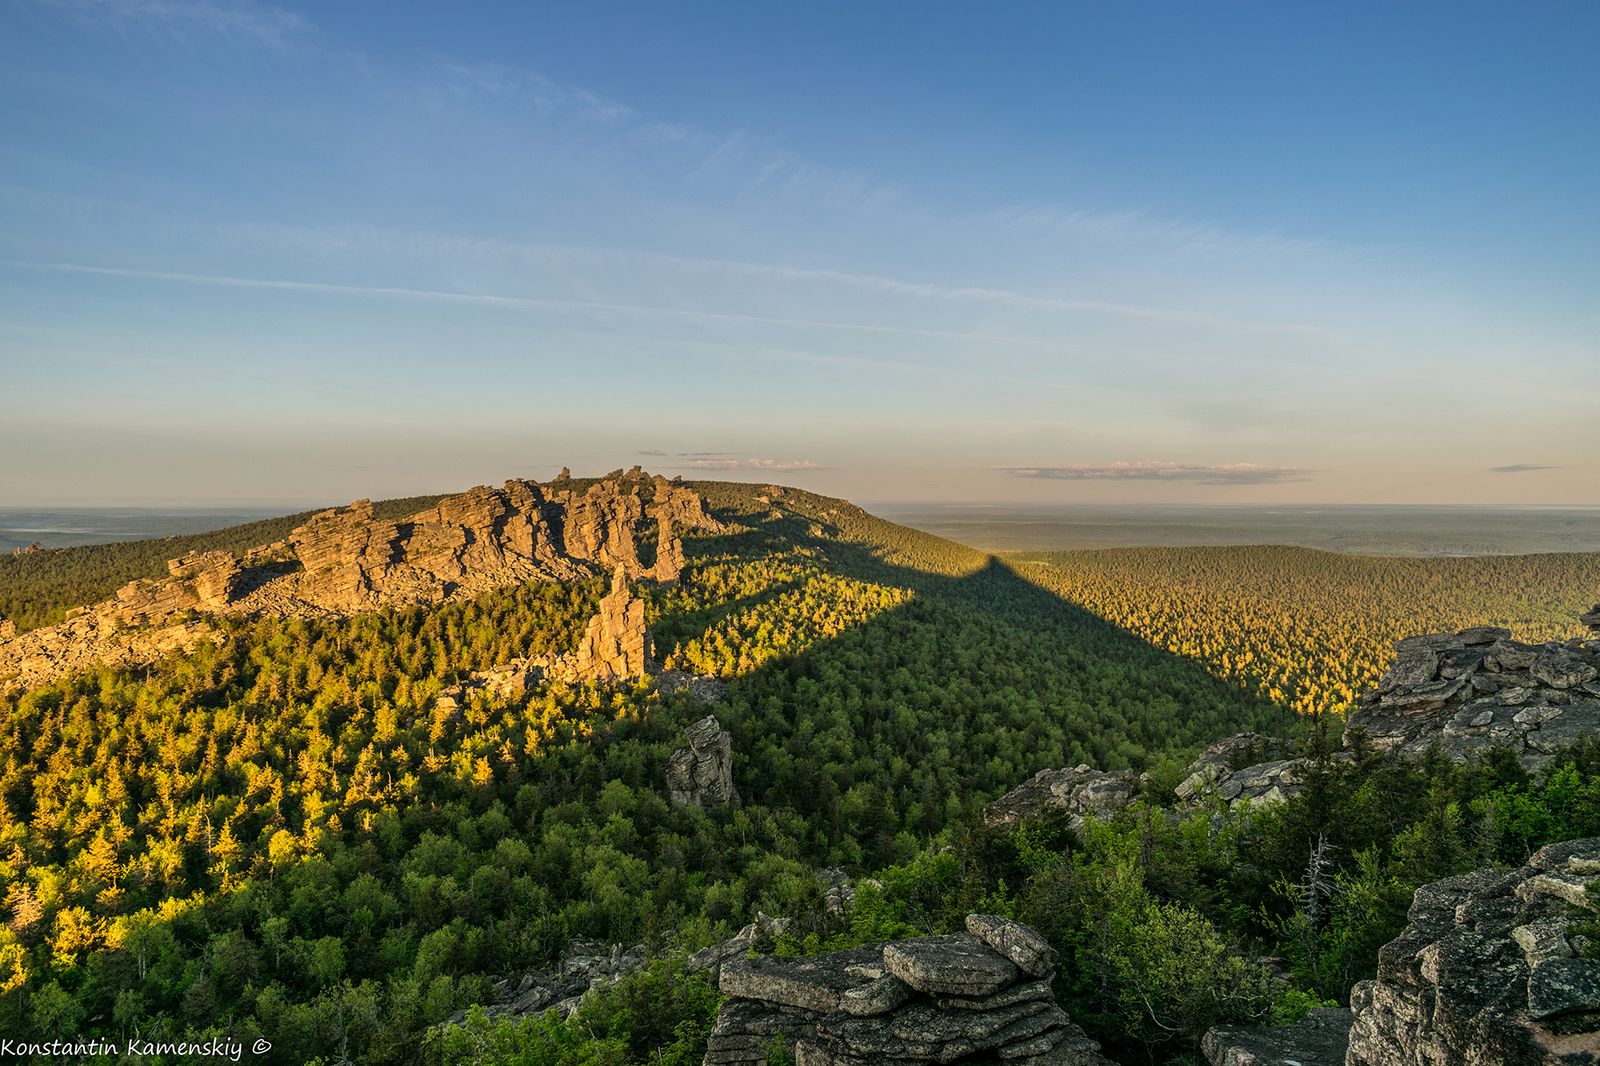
<point>1479,689</point>
<point>347,560</point>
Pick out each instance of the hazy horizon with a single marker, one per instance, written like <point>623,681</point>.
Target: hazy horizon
<point>1350,529</point>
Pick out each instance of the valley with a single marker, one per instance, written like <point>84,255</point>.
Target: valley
<point>346,814</point>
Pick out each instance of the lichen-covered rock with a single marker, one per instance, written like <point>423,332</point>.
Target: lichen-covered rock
<point>879,996</point>
<point>1485,972</point>
<point>855,1008</point>
<point>1031,952</point>
<point>1476,689</point>
<point>701,775</point>
<point>958,964</point>
<point>1321,1038</point>
<point>813,983</point>
<point>1078,791</point>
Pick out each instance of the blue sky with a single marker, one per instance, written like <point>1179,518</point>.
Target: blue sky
<point>1054,253</point>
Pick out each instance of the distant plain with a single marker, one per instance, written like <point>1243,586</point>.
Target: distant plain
<point>1352,530</point>
<point>71,527</point>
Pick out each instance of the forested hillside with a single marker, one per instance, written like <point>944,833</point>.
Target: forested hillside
<point>1308,628</point>
<point>284,836</point>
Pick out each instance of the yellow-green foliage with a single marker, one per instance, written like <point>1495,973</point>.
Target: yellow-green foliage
<point>1309,628</point>
<point>821,607</point>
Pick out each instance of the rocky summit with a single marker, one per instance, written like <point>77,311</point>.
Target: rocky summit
<point>1477,689</point>
<point>979,996</point>
<point>346,560</point>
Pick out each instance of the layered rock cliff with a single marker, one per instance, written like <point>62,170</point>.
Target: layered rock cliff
<point>345,560</point>
<point>978,996</point>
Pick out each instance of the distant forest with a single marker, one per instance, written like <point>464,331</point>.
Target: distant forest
<point>1310,628</point>
<point>286,837</point>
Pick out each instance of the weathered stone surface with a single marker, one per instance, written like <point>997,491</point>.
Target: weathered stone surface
<point>1031,952</point>
<point>346,560</point>
<point>1078,791</point>
<point>1485,690</point>
<point>701,775</point>
<point>876,997</point>
<point>813,983</point>
<point>616,644</point>
<point>1457,985</point>
<point>1016,993</point>
<point>1319,1039</point>
<point>1561,986</point>
<point>955,965</point>
<point>843,1010</point>
<point>758,936</point>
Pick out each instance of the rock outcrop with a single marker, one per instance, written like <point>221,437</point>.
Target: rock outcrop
<point>616,645</point>
<point>1225,769</point>
<point>585,966</point>
<point>979,995</point>
<point>1492,969</point>
<point>1078,791</point>
<point>701,775</point>
<point>1477,689</point>
<point>39,656</point>
<point>759,936</point>
<point>347,560</point>
<point>1321,1038</point>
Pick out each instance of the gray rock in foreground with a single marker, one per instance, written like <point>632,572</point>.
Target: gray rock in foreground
<point>1487,971</point>
<point>959,964</point>
<point>857,1007</point>
<point>1319,1039</point>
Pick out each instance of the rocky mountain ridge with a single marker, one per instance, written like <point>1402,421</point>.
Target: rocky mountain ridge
<point>345,560</point>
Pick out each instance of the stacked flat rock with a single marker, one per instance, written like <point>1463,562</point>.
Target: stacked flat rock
<point>979,996</point>
<point>1477,689</point>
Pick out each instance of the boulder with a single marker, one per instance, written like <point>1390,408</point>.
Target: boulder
<point>1321,1038</point>
<point>1031,952</point>
<point>813,983</point>
<point>1486,971</point>
<point>1078,791</point>
<point>959,964</point>
<point>855,1007</point>
<point>1482,690</point>
<point>701,775</point>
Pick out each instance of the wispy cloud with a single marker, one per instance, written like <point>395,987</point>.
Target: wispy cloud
<point>1227,474</point>
<point>533,90</point>
<point>1520,468</point>
<point>231,17</point>
<point>747,464</point>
